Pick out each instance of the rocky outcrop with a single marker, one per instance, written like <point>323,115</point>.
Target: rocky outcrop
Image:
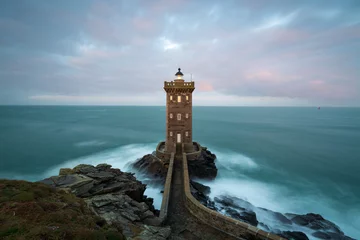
<point>313,224</point>
<point>203,167</point>
<point>293,235</point>
<point>115,196</point>
<point>153,167</point>
<point>233,209</point>
<point>314,221</point>
<point>200,192</point>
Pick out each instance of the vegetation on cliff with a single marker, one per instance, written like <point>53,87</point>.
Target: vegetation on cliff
<point>37,211</point>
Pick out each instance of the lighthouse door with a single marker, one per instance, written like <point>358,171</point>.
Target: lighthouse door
<point>179,138</point>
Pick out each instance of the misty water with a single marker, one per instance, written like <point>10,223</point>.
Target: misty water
<point>297,160</point>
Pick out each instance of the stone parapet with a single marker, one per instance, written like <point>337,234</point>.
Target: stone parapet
<point>167,188</point>
<point>216,220</point>
<point>160,152</point>
<point>195,154</point>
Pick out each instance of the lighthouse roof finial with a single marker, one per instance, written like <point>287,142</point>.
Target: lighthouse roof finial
<point>179,73</point>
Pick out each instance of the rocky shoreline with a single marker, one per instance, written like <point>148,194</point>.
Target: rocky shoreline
<point>121,209</point>
<point>116,196</point>
<point>290,225</point>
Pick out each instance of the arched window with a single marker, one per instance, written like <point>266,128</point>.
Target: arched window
<point>171,98</point>
<point>170,134</point>
<point>187,115</point>
<point>187,98</point>
<point>179,116</point>
<point>187,133</point>
<point>179,98</point>
<point>171,115</point>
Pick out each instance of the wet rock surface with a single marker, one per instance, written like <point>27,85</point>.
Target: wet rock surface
<point>313,225</point>
<point>203,167</point>
<point>115,196</point>
<point>153,167</point>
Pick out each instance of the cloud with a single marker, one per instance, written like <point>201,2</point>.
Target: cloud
<point>295,52</point>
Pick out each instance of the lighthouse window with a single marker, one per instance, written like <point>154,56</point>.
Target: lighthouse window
<point>170,134</point>
<point>171,98</point>
<point>187,115</point>
<point>171,116</point>
<point>179,98</point>
<point>179,116</point>
<point>187,133</point>
<point>187,98</point>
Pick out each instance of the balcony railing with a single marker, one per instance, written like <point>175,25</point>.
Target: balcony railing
<point>179,84</point>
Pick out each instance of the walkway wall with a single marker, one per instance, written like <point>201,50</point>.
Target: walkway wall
<point>217,220</point>
<point>167,188</point>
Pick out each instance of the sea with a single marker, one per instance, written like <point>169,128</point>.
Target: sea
<point>286,159</point>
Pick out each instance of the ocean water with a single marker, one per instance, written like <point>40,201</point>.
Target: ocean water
<point>296,160</point>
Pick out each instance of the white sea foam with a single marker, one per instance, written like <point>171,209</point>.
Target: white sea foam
<point>90,143</point>
<point>233,179</point>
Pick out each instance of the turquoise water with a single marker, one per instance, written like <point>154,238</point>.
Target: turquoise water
<point>285,159</point>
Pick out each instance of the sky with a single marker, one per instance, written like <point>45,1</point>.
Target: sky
<point>238,52</point>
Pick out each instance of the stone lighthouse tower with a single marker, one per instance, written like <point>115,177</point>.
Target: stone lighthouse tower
<point>179,113</point>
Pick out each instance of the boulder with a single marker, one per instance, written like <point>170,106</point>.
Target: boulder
<point>204,166</point>
<point>293,235</point>
<point>330,235</point>
<point>316,222</point>
<point>65,171</point>
<point>237,208</point>
<point>153,167</point>
<point>200,192</point>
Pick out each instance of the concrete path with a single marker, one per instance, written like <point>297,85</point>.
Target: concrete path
<point>183,224</point>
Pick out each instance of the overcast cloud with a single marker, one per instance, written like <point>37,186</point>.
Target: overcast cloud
<point>302,53</point>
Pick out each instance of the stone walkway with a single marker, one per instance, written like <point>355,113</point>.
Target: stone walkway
<point>183,224</point>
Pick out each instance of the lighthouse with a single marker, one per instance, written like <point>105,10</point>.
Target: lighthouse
<point>179,113</point>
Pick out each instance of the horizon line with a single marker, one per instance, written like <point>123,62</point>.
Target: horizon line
<point>85,105</point>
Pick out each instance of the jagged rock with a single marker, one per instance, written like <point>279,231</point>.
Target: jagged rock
<point>153,233</point>
<point>234,207</point>
<point>114,195</point>
<point>330,235</point>
<point>103,166</point>
<point>316,222</point>
<point>65,171</point>
<point>295,235</point>
<point>152,166</point>
<point>278,216</point>
<point>84,168</point>
<point>203,167</point>
<point>200,192</point>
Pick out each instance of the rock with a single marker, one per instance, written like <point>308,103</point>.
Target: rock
<point>153,167</point>
<point>200,192</point>
<point>200,187</point>
<point>238,209</point>
<point>263,226</point>
<point>295,235</point>
<point>278,216</point>
<point>103,166</point>
<point>244,216</point>
<point>114,195</point>
<point>316,222</point>
<point>153,233</point>
<point>84,168</point>
<point>65,171</point>
<point>203,167</point>
<point>330,235</point>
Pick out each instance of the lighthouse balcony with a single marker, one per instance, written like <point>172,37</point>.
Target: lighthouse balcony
<point>192,153</point>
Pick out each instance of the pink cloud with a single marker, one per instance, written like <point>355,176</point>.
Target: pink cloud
<point>204,87</point>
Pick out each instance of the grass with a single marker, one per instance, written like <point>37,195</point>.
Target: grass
<point>36,211</point>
